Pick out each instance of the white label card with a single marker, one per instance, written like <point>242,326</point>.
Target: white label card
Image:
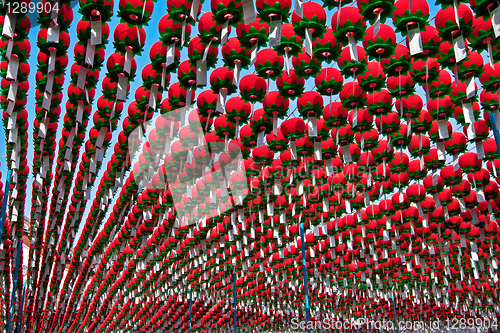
<point>12,68</point>
<point>253,56</point>
<point>275,32</point>
<point>495,20</point>
<point>82,77</point>
<point>353,50</point>
<point>53,34</point>
<point>11,96</point>
<point>415,41</point>
<point>121,94</point>
<point>194,9</point>
<point>248,11</point>
<point>459,47</point>
<point>9,25</point>
<point>171,54</point>
<point>298,8</point>
<point>96,31</point>
<point>90,54</point>
<point>471,87</point>
<point>468,113</point>
<point>309,47</point>
<point>224,33</point>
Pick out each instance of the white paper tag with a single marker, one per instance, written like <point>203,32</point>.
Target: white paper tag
<point>443,129</point>
<point>171,54</point>
<point>8,53</point>
<point>95,30</point>
<point>183,32</point>
<point>312,127</point>
<point>376,26</point>
<point>100,138</point>
<point>90,54</point>
<point>47,98</point>
<point>480,149</point>
<point>471,88</point>
<point>468,113</point>
<point>205,52</point>
<point>298,8</point>
<point>82,77</point>
<point>50,82</point>
<point>248,11</point>
<point>459,47</point>
<point>79,112</point>
<point>11,95</point>
<point>260,138</point>
<point>153,96</point>
<point>11,122</point>
<point>127,66</point>
<point>471,131</point>
<point>253,56</point>
<point>441,150</point>
<point>275,33</point>
<point>293,150</point>
<point>309,47</point>
<point>53,33</point>
<point>495,20</point>
<point>346,153</point>
<point>236,73</point>
<point>121,94</point>
<point>353,50</point>
<point>194,10</point>
<point>12,68</point>
<point>9,25</point>
<point>317,151</point>
<point>221,101</point>
<point>52,61</point>
<point>42,131</point>
<point>415,41</point>
<point>224,33</point>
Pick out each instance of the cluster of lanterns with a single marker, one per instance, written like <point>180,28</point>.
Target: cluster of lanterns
<point>377,197</point>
